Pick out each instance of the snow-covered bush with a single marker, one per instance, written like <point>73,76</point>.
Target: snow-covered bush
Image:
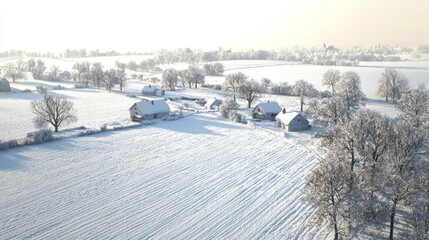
<point>130,95</point>
<point>4,85</point>
<point>201,102</point>
<point>41,90</point>
<point>9,144</point>
<point>226,107</point>
<point>80,86</point>
<point>58,87</point>
<point>40,136</point>
<point>89,132</point>
<point>26,90</point>
<point>251,124</point>
<point>233,116</point>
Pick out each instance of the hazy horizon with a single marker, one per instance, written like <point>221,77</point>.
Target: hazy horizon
<point>49,25</point>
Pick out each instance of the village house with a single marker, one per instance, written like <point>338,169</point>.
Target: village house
<point>146,110</point>
<point>152,90</point>
<point>292,121</point>
<point>212,103</point>
<point>267,111</point>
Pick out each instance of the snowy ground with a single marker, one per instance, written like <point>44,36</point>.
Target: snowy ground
<point>164,181</point>
<point>197,177</point>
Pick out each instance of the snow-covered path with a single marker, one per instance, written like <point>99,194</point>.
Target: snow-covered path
<point>196,178</point>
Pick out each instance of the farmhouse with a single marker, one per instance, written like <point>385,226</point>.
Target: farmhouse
<point>292,121</point>
<point>152,90</point>
<point>213,103</point>
<point>149,110</point>
<point>267,110</point>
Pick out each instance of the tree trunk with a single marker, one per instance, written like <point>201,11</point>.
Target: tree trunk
<point>56,128</point>
<point>190,84</point>
<point>392,218</point>
<point>302,104</point>
<point>196,83</point>
<point>234,97</point>
<point>335,231</point>
<point>249,103</point>
<point>120,86</point>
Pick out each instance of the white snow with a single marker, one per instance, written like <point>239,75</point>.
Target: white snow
<point>269,107</point>
<point>165,181</point>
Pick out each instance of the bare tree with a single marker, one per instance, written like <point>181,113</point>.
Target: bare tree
<point>169,79</point>
<point>54,110</point>
<point>250,90</point>
<point>121,74</point>
<point>350,91</point>
<point>392,84</point>
<point>415,106</point>
<point>11,70</point>
<point>97,73</point>
<point>110,79</point>
<point>331,78</point>
<point>327,189</point>
<point>55,71</point>
<point>233,82</point>
<point>81,68</point>
<point>303,89</point>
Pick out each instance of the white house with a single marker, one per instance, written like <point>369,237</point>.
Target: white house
<point>212,103</point>
<point>268,110</point>
<point>152,90</point>
<point>292,121</point>
<point>149,110</point>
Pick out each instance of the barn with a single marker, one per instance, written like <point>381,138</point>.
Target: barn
<point>292,121</point>
<point>152,90</point>
<point>147,110</point>
<point>212,103</point>
<point>267,110</point>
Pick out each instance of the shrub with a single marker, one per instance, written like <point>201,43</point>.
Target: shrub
<point>233,116</point>
<point>58,87</point>
<point>227,106</point>
<point>79,86</point>
<point>26,91</point>
<point>9,144</point>
<point>217,87</point>
<point>41,90</point>
<point>130,95</point>
<point>4,85</point>
<point>40,136</point>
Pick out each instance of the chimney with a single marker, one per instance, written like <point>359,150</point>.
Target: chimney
<point>152,102</point>
<point>284,110</point>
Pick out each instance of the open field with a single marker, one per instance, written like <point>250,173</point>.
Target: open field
<point>166,181</point>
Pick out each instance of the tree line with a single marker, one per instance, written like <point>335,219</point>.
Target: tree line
<point>373,166</point>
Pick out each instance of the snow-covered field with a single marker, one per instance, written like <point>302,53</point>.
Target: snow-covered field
<point>165,181</point>
<point>197,177</point>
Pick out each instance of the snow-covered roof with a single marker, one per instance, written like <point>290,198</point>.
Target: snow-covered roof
<point>212,102</point>
<point>286,117</point>
<point>149,88</point>
<point>152,107</point>
<point>269,107</point>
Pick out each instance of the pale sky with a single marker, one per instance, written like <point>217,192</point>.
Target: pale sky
<point>128,25</point>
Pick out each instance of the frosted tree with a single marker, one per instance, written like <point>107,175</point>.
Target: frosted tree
<point>266,84</point>
<point>401,163</point>
<point>11,70</point>
<point>55,70</point>
<point>53,109</point>
<point>303,89</point>
<point>392,84</point>
<point>192,75</point>
<point>121,75</point>
<point>97,73</point>
<point>415,106</point>
<point>331,78</point>
<point>233,82</point>
<point>226,107</point>
<point>81,68</point>
<point>249,91</point>
<point>327,190</point>
<point>169,79</point>
<point>350,91</point>
<point>110,79</point>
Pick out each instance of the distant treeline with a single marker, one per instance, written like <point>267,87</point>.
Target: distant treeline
<point>325,55</point>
